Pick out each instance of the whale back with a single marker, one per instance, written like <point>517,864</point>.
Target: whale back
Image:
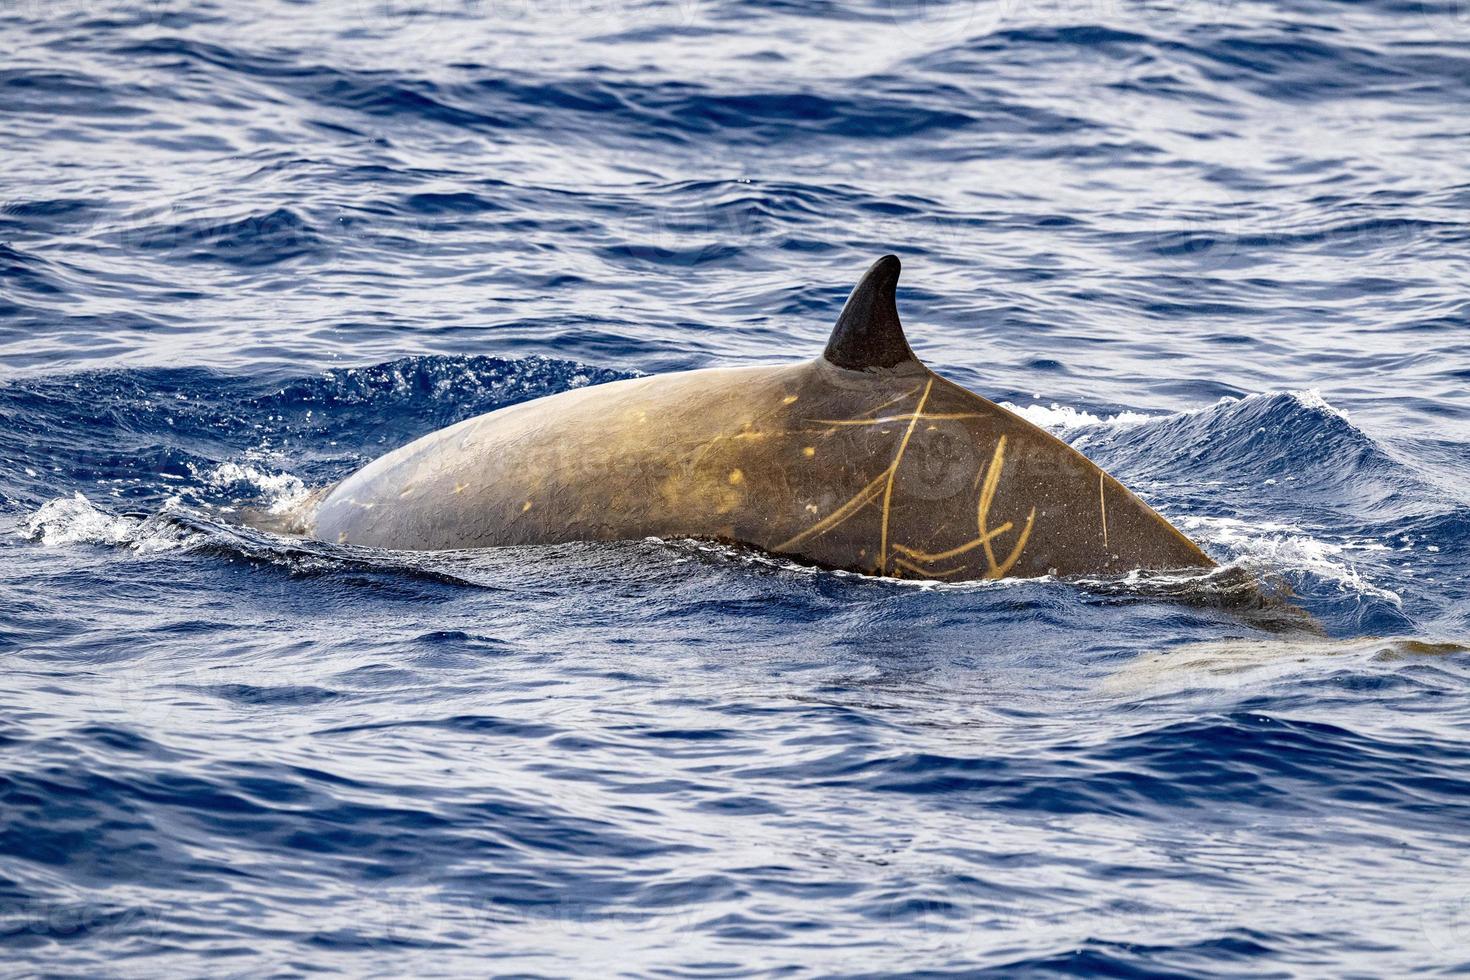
<point>862,459</point>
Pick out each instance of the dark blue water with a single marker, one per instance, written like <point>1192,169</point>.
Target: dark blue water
<point>1222,247</point>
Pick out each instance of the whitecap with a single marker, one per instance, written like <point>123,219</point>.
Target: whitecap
<point>283,492</point>
<point>1057,418</point>
<point>1285,547</point>
<point>76,520</point>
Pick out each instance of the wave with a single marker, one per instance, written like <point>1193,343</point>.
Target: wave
<point>177,527</point>
<point>1213,60</point>
<point>248,241</point>
<point>1226,768</point>
<point>490,101</point>
<point>1062,420</point>
<point>1257,481</point>
<point>1278,547</point>
<point>1262,439</point>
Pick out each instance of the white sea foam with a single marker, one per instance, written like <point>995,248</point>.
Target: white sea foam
<point>75,520</point>
<point>1286,547</point>
<point>1057,418</point>
<point>282,491</point>
<point>1312,398</point>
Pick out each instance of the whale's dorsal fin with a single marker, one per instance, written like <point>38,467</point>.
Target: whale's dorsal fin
<point>868,334</point>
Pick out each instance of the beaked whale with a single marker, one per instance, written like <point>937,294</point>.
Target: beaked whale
<point>862,459</point>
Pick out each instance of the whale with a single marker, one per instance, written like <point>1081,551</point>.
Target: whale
<point>861,459</point>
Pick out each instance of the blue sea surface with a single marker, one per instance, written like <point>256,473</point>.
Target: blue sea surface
<point>1221,246</point>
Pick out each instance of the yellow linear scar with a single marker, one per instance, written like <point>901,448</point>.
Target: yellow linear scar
<point>861,499</point>
<point>971,545</point>
<point>1102,504</point>
<point>893,401</point>
<point>910,566</point>
<point>897,418</point>
<point>982,513</point>
<point>748,434</point>
<point>903,445</point>
<point>883,481</point>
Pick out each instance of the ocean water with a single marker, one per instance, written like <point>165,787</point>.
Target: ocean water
<point>1221,246</point>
